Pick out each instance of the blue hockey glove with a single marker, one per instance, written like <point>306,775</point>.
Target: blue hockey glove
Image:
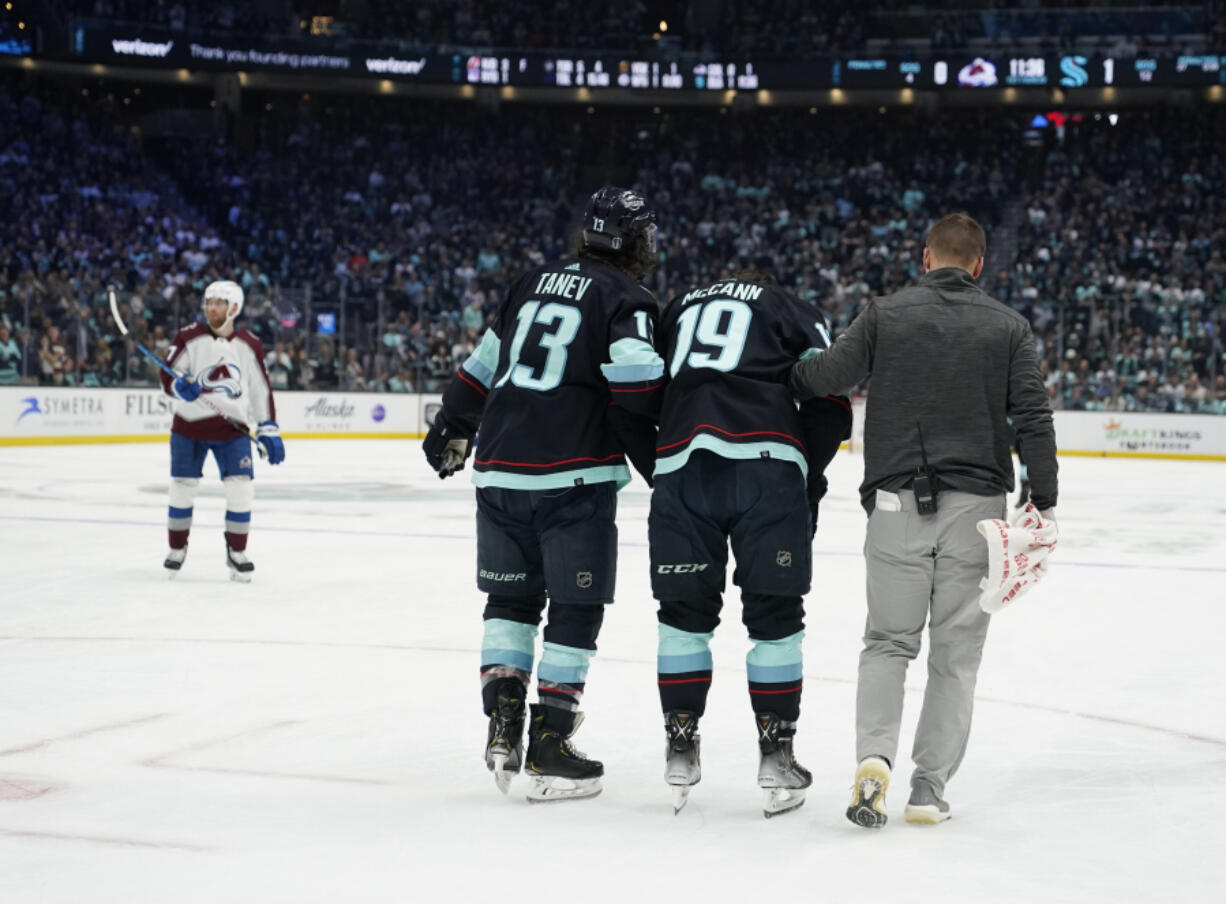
<point>445,450</point>
<point>187,390</point>
<point>269,435</point>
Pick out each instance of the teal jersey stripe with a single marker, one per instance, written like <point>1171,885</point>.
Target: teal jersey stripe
<point>810,353</point>
<point>483,362</point>
<point>774,674</point>
<point>619,474</point>
<point>561,674</point>
<point>517,658</point>
<point>632,373</point>
<point>632,361</point>
<point>773,661</point>
<point>691,662</point>
<point>731,450</point>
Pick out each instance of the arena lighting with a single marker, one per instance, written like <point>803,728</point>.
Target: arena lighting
<point>663,25</point>
<point>1113,118</point>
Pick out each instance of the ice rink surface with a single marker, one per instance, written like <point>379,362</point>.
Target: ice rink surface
<point>316,735</point>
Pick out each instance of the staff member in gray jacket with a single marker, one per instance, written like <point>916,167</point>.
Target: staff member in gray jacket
<point>949,366</point>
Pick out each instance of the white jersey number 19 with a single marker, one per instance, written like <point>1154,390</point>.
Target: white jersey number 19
<point>708,325</point>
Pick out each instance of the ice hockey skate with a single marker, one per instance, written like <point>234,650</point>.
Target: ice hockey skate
<point>174,561</point>
<point>504,748</point>
<point>240,566</point>
<point>784,779</point>
<point>682,769</point>
<point>925,807</point>
<point>867,807</point>
<point>558,771</point>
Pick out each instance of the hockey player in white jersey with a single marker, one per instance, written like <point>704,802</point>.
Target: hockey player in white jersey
<point>222,389</point>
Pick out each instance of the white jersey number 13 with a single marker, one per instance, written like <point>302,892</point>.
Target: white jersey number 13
<point>566,321</point>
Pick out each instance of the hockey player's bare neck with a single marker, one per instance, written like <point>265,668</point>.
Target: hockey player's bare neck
<point>216,312</point>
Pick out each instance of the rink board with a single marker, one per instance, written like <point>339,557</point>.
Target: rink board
<point>38,415</point>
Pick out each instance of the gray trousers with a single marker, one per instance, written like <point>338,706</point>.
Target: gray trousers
<point>923,568</point>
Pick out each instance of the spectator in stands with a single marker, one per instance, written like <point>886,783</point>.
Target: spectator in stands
<point>10,357</point>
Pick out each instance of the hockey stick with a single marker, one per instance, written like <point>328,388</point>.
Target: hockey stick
<point>238,425</point>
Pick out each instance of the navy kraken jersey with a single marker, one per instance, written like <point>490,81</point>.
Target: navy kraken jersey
<point>570,340</point>
<point>729,347</point>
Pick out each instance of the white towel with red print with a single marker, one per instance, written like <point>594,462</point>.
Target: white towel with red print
<point>1017,556</point>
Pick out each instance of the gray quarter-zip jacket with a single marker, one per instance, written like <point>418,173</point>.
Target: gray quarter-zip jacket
<point>948,356</point>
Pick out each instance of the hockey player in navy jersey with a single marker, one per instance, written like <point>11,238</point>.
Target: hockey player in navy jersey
<point>225,365</point>
<point>564,387</point>
<point>737,460</point>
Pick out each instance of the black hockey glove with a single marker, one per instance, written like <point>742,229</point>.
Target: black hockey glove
<point>815,490</point>
<point>445,450</point>
<point>637,435</point>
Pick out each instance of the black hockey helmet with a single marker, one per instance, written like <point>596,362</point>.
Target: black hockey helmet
<point>615,217</point>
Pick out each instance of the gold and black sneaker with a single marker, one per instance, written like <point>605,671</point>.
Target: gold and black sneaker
<point>867,806</point>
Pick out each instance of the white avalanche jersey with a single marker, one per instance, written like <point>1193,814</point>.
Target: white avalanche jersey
<point>231,374</point>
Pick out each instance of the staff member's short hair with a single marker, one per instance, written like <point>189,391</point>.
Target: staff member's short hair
<point>957,237</point>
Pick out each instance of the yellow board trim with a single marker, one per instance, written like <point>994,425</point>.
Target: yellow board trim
<point>162,437</point>
<point>1167,456</point>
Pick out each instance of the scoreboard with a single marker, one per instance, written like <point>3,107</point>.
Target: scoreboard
<point>1036,70</point>
<point>598,71</point>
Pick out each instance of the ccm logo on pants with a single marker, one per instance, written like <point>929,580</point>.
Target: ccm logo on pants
<point>681,569</point>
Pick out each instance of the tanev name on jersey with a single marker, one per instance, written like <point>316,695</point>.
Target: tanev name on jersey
<point>563,284</point>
